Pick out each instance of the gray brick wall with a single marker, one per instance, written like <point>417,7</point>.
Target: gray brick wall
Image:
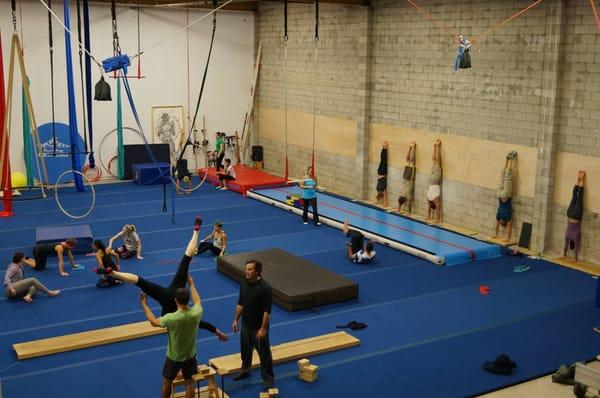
<point>396,61</point>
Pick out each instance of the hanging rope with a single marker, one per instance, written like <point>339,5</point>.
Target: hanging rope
<point>29,172</point>
<point>316,62</point>
<point>285,67</point>
<point>75,164</point>
<point>595,9</point>
<point>13,6</point>
<point>507,20</point>
<point>83,112</point>
<point>51,51</point>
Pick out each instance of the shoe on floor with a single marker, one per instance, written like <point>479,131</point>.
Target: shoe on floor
<point>267,384</point>
<point>305,223</point>
<point>317,224</point>
<point>241,376</point>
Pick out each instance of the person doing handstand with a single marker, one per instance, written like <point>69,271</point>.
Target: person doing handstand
<point>434,190</point>
<point>408,180</point>
<point>504,213</point>
<point>574,217</point>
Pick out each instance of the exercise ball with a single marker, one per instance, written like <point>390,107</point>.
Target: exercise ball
<point>18,180</point>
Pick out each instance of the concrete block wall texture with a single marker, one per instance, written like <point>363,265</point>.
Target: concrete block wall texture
<point>523,90</point>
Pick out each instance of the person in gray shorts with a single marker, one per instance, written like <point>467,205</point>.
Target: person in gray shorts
<point>408,180</point>
<point>434,190</point>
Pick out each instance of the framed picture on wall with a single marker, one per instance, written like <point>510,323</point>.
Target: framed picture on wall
<point>168,127</point>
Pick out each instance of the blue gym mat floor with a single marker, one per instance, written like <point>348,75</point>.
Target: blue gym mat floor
<point>429,330</point>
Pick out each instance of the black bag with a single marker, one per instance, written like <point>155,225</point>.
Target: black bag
<point>465,60</point>
<point>102,91</point>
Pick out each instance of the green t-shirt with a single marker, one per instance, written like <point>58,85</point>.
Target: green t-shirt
<point>182,327</point>
<point>219,144</point>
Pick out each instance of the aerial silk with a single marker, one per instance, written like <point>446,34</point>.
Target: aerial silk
<point>88,79</point>
<point>120,150</point>
<point>5,183</point>
<point>29,171</point>
<point>75,163</point>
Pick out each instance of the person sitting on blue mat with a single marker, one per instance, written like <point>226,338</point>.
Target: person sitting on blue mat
<point>218,246</point>
<point>166,295</point>
<point>17,286</point>
<point>104,258</point>
<point>43,250</point>
<point>504,213</point>
<point>358,252</point>
<point>309,196</point>
<point>131,243</point>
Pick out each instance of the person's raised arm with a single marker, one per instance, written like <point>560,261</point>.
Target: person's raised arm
<point>148,312</point>
<point>193,291</point>
<point>112,240</point>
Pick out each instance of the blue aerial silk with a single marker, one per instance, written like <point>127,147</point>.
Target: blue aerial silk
<point>75,150</point>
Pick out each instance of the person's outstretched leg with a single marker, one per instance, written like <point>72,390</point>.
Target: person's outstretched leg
<point>180,278</point>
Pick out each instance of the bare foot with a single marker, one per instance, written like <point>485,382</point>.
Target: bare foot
<point>27,299</point>
<point>53,293</point>
<point>64,274</point>
<point>438,142</point>
<point>495,237</point>
<point>413,144</point>
<point>346,226</point>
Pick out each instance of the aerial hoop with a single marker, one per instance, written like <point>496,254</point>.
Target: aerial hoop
<point>113,131</point>
<point>60,206</point>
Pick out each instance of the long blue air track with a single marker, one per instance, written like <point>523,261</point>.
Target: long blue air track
<point>453,247</point>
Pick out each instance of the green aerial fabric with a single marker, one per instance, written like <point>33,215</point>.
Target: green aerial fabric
<point>120,150</point>
<point>27,140</point>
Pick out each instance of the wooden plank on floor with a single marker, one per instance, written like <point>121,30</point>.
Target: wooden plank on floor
<point>498,241</point>
<point>457,229</point>
<point>579,265</point>
<point>92,338</point>
<point>289,351</point>
<point>203,393</point>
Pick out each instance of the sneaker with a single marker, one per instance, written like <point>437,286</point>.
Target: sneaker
<point>305,223</point>
<point>197,223</point>
<point>317,224</point>
<point>241,375</point>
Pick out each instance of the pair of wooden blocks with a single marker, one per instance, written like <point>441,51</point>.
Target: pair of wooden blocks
<point>272,393</point>
<point>307,372</point>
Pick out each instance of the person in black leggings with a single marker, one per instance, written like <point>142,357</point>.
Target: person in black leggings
<point>104,259</point>
<point>166,295</point>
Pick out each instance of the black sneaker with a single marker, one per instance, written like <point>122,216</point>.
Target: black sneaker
<point>241,375</point>
<point>267,384</point>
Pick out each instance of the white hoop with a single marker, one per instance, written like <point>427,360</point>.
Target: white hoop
<point>66,213</point>
<point>102,144</point>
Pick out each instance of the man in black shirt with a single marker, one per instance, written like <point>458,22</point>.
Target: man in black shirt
<point>254,304</point>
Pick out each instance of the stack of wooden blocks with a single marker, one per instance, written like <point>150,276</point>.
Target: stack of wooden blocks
<point>272,393</point>
<point>308,372</point>
<point>204,370</point>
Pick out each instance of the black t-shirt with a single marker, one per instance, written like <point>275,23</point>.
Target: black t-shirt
<point>256,298</point>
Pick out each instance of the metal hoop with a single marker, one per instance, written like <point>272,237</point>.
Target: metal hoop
<point>66,213</point>
<point>104,139</point>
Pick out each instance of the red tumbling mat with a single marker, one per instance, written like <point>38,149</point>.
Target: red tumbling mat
<point>247,178</point>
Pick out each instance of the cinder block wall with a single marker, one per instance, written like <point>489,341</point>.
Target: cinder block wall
<point>535,85</point>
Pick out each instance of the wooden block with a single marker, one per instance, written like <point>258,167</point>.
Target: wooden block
<point>203,392</point>
<point>289,351</point>
<point>310,369</point>
<point>204,369</point>
<point>460,230</point>
<point>308,378</point>
<point>303,362</point>
<point>92,338</point>
<point>500,241</point>
<point>273,392</point>
<point>263,395</point>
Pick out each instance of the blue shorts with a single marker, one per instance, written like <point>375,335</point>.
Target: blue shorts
<point>504,212</point>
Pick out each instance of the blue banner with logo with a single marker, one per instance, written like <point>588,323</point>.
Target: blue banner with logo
<point>58,157</point>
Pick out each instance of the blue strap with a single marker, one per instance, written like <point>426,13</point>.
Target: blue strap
<point>75,164</point>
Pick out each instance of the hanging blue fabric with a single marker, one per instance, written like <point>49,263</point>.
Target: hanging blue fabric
<point>75,163</point>
<point>88,79</point>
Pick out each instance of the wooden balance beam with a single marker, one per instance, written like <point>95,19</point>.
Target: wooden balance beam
<point>288,351</point>
<point>92,338</point>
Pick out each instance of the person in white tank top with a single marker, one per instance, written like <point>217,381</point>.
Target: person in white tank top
<point>218,245</point>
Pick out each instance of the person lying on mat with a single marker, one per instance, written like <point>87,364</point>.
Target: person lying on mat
<point>504,213</point>
<point>408,180</point>
<point>17,286</point>
<point>218,245</point>
<point>132,244</point>
<point>228,175</point>
<point>104,258</point>
<point>166,295</point>
<point>358,251</point>
<point>434,190</point>
<point>43,250</point>
<point>574,217</point>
